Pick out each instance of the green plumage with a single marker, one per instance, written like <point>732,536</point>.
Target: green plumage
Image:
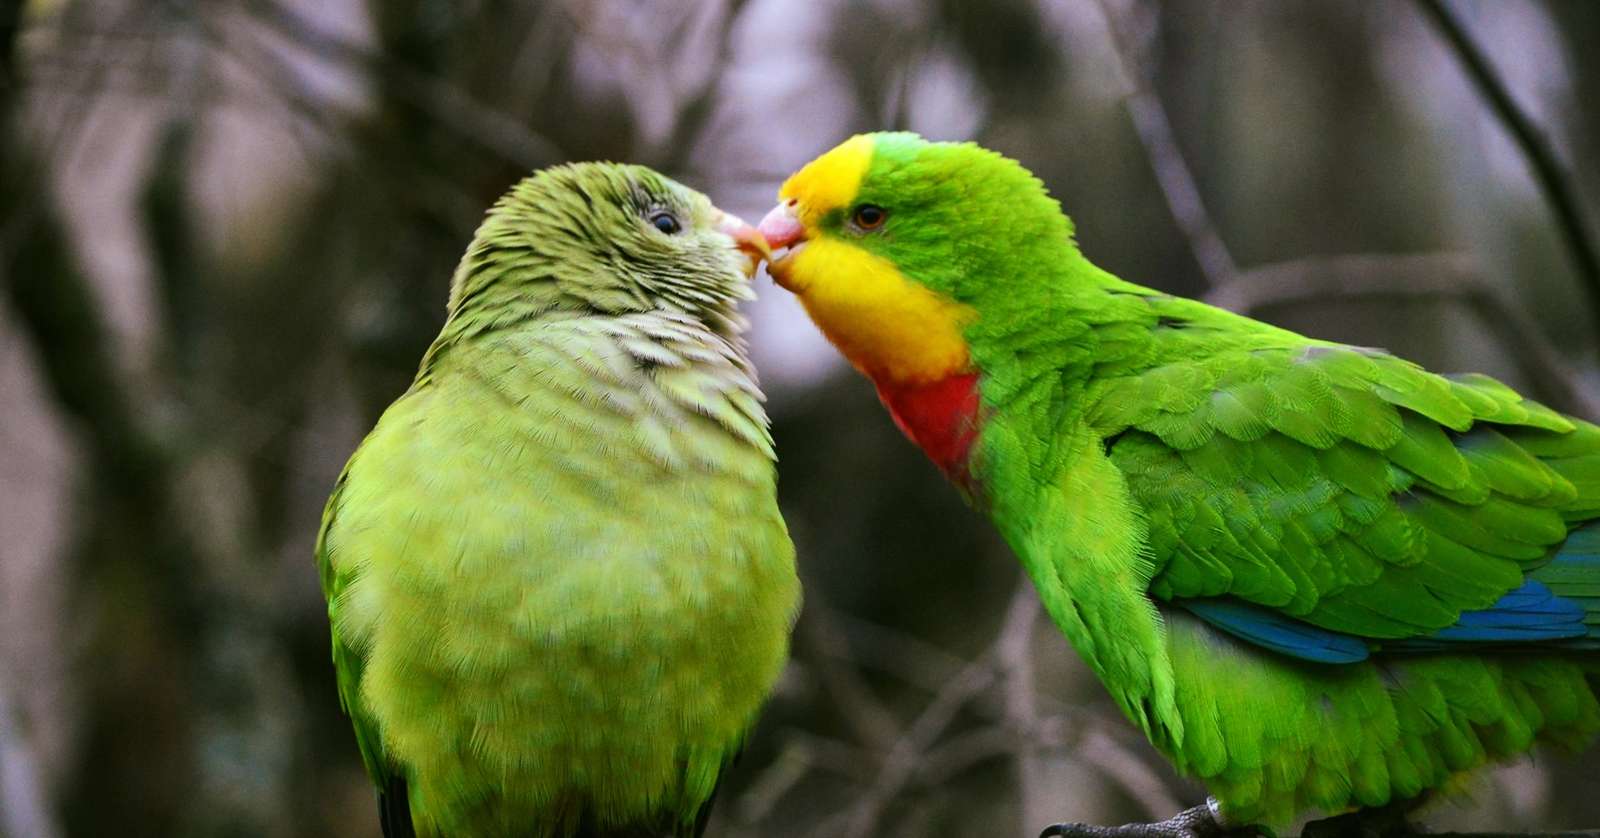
<point>1141,452</point>
<point>557,577</point>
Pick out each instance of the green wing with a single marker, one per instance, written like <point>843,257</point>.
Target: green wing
<point>1341,486</point>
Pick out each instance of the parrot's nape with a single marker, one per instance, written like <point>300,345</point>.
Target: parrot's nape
<point>1317,577</point>
<point>557,578</point>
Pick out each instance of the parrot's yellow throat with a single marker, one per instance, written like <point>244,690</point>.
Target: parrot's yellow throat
<point>893,329</point>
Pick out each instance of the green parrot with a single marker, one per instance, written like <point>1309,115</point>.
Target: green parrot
<point>558,582</point>
<point>1317,577</point>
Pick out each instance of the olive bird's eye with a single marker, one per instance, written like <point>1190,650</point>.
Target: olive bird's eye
<point>666,222</point>
<point>869,216</point>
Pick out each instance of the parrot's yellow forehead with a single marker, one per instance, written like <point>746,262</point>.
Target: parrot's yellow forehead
<point>830,181</point>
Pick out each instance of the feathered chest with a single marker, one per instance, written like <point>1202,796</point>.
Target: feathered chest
<point>651,392</point>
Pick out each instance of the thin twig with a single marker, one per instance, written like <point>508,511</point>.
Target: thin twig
<point>964,751</point>
<point>1418,276</point>
<point>130,448</point>
<point>1548,172</point>
<point>835,756</point>
<point>449,106</point>
<point>695,112</point>
<point>1127,770</point>
<point>901,765</point>
<point>1015,657</point>
<point>822,643</point>
<point>774,781</point>
<point>892,652</point>
<point>436,193</point>
<point>1172,172</point>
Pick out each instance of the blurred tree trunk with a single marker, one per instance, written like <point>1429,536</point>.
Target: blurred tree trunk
<point>127,539</point>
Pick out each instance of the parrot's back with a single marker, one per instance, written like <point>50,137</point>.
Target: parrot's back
<point>559,583</point>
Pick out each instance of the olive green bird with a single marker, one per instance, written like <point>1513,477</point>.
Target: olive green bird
<point>558,582</point>
<point>1317,577</point>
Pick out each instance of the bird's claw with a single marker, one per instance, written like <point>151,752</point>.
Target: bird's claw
<point>1202,821</point>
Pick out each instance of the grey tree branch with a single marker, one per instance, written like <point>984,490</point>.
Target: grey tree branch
<point>1172,172</point>
<point>820,638</point>
<point>966,750</point>
<point>448,105</point>
<point>1547,171</point>
<point>696,110</point>
<point>1130,772</point>
<point>1015,657</point>
<point>134,463</point>
<point>901,765</point>
<point>131,461</point>
<point>1420,276</point>
<point>774,781</point>
<point>895,653</point>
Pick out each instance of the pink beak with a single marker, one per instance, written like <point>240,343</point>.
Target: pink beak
<point>781,227</point>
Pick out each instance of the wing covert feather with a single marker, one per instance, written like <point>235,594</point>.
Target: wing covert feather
<point>1343,486</point>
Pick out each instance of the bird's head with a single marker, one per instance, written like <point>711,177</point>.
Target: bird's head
<point>896,245</point>
<point>608,238</point>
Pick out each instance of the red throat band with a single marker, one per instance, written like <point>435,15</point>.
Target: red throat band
<point>941,418</point>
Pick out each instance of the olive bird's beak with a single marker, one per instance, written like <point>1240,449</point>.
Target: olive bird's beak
<point>782,229</point>
<point>748,239</point>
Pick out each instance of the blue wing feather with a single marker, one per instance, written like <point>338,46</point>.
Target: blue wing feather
<point>1530,613</point>
<point>1271,630</point>
<point>1557,607</point>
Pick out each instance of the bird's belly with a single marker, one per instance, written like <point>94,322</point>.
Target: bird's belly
<point>1275,738</point>
<point>600,655</point>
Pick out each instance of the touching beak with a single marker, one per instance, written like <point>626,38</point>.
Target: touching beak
<point>748,239</point>
<point>782,229</point>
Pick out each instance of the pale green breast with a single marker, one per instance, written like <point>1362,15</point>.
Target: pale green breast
<point>567,574</point>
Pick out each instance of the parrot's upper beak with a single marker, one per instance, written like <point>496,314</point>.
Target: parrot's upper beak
<point>748,239</point>
<point>782,229</point>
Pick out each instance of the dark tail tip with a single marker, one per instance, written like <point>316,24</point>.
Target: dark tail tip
<point>394,810</point>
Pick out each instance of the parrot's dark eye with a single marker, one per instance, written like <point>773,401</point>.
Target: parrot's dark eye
<point>869,216</point>
<point>666,222</point>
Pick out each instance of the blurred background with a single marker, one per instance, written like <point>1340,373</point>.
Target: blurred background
<point>226,231</point>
